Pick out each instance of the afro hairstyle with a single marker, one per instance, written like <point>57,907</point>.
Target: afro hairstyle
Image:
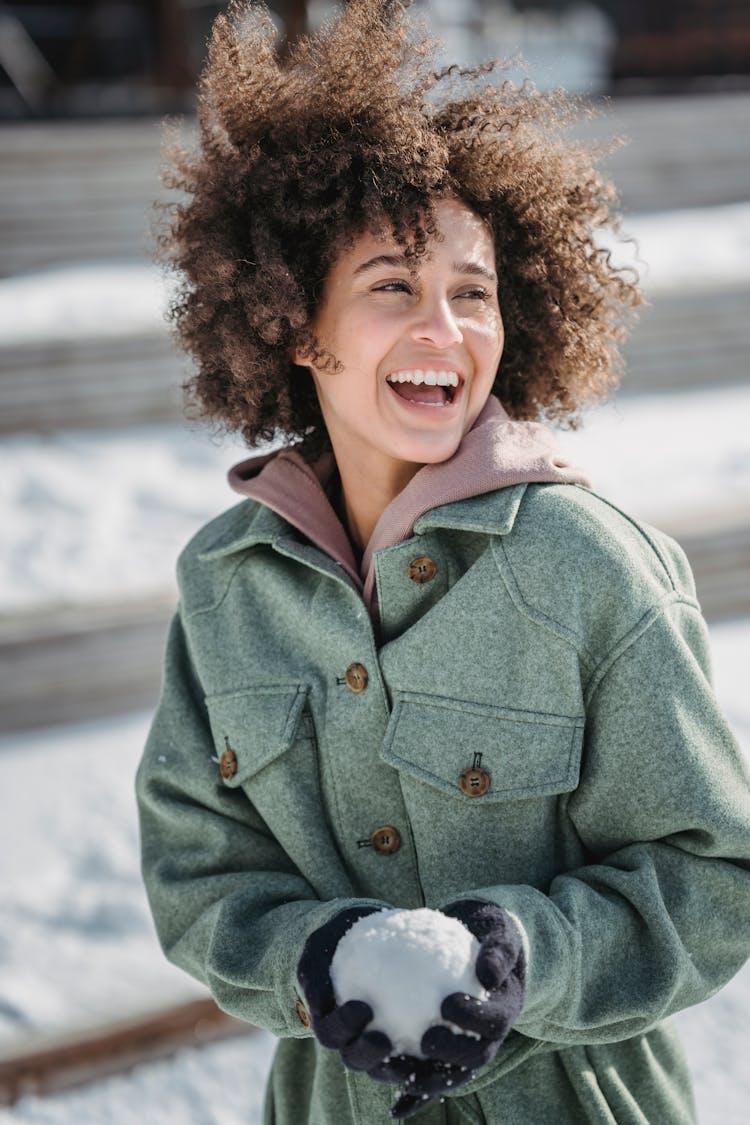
<point>355,129</point>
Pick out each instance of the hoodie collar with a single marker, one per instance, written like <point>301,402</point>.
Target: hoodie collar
<point>494,515</point>
<point>494,456</point>
<point>291,488</point>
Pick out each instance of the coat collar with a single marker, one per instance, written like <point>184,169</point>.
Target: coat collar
<point>491,513</point>
<point>253,525</point>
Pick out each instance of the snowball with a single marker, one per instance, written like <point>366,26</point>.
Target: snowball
<point>403,963</point>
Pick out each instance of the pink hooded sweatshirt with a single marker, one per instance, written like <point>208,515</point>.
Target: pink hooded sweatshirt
<point>495,453</point>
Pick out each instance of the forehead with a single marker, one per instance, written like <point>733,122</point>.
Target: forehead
<point>463,236</point>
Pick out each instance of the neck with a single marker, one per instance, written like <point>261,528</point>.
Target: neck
<point>366,494</point>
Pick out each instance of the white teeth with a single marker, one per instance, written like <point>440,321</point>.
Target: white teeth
<point>430,378</point>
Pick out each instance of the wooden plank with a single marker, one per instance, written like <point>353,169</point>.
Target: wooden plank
<point>688,151</point>
<point>93,212</point>
<point>111,1050</point>
<point>105,382</point>
<point>63,664</point>
<point>696,337</point>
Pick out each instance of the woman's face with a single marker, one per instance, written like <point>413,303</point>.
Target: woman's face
<point>400,338</point>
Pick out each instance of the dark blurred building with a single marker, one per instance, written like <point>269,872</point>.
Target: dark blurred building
<point>678,41</point>
<point>94,57</point>
<point>107,57</point>
<point>669,45</point>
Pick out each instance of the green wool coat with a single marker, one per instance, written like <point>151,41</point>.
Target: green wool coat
<point>559,640</point>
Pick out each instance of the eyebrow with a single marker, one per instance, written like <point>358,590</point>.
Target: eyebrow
<point>399,261</point>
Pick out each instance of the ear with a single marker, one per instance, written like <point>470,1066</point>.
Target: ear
<point>299,354</point>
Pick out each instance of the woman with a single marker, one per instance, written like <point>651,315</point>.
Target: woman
<point>422,663</point>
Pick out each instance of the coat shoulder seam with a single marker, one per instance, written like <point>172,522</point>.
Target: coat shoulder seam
<point>626,642</point>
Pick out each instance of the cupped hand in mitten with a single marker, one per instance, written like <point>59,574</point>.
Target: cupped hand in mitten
<point>422,1081</point>
<point>452,1058</point>
<point>339,1026</point>
<point>501,970</point>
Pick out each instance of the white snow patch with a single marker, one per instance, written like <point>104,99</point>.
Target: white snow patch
<point>403,963</point>
<point>692,248</point>
<point>93,300</point>
<point>91,516</point>
<point>669,458</point>
<point>77,944</point>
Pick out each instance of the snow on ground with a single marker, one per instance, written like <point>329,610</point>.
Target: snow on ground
<point>76,939</point>
<point>78,945</point>
<point>670,458</point>
<point>102,515</point>
<point>84,301</point>
<point>695,247</point>
<point>692,248</point>
<point>221,1084</point>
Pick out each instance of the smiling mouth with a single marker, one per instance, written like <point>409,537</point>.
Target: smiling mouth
<point>426,387</point>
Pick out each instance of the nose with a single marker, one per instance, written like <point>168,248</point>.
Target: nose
<point>436,324</point>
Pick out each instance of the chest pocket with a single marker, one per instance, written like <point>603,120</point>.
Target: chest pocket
<point>483,754</point>
<point>266,748</point>
<point>253,727</point>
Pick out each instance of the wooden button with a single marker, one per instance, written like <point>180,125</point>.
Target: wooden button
<point>356,677</point>
<point>422,570</point>
<point>474,781</point>
<point>302,1013</point>
<point>228,763</point>
<point>386,840</point>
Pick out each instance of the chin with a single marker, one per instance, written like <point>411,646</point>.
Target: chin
<point>432,452</point>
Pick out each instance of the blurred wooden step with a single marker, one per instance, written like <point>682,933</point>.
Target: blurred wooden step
<point>720,558</point>
<point>691,338</point>
<point>685,151</point>
<point>77,191</point>
<point>88,383</point>
<point>64,664</point>
<point>73,191</point>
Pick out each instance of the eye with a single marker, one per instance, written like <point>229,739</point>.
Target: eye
<point>393,287</point>
<point>474,294</point>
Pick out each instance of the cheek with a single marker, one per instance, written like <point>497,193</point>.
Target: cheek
<point>353,343</point>
<point>346,395</point>
<point>489,339</point>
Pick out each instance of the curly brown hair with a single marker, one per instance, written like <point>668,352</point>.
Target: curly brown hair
<point>352,130</point>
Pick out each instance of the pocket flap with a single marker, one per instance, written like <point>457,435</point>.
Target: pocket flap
<point>256,724</point>
<point>524,754</point>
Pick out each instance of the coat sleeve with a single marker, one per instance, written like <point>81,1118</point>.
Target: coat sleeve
<point>229,906</point>
<point>658,918</point>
